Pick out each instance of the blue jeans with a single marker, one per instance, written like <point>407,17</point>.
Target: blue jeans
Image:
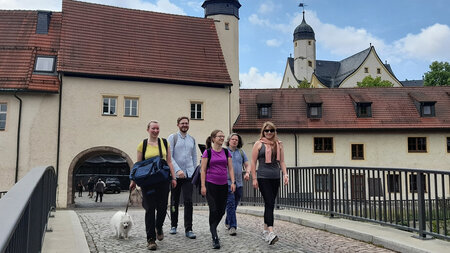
<point>232,203</point>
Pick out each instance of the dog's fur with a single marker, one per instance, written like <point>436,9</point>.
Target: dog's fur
<point>121,224</point>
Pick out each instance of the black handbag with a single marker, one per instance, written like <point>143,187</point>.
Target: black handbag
<point>151,171</point>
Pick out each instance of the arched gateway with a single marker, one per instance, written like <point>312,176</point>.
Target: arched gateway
<point>85,155</point>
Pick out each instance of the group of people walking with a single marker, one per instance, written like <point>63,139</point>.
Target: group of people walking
<point>98,186</point>
<point>222,172</point>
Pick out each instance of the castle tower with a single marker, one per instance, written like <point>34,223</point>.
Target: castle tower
<point>226,15</point>
<point>304,51</point>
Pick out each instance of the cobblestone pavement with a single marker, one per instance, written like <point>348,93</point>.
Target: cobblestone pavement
<point>293,237</point>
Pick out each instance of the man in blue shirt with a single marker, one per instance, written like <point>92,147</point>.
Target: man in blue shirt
<point>184,160</point>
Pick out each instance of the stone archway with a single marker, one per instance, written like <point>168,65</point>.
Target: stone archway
<point>79,159</point>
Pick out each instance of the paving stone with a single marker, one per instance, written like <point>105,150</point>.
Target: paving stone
<point>292,237</point>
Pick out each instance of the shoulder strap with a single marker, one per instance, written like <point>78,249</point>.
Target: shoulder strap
<point>159,146</point>
<point>175,139</point>
<point>144,148</point>
<point>242,154</point>
<point>226,152</point>
<point>208,152</point>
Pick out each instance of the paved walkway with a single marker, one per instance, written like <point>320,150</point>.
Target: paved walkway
<point>298,232</point>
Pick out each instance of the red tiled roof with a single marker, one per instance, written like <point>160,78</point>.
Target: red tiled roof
<point>19,45</point>
<point>117,42</point>
<point>392,108</point>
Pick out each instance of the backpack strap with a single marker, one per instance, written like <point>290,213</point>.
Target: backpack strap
<point>208,152</point>
<point>144,148</point>
<point>242,154</point>
<point>159,146</point>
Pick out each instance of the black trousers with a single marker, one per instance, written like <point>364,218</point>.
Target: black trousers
<point>101,196</point>
<point>216,195</point>
<point>183,185</point>
<point>154,201</point>
<point>269,190</point>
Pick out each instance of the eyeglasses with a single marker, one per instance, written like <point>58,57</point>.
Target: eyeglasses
<point>269,130</point>
<point>220,136</point>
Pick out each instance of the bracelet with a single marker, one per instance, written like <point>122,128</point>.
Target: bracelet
<point>286,175</point>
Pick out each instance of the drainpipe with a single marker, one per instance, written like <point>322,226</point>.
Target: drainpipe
<point>230,124</point>
<point>296,149</point>
<point>58,144</point>
<point>18,137</point>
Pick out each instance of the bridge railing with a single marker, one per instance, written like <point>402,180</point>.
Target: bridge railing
<point>24,211</point>
<point>409,199</point>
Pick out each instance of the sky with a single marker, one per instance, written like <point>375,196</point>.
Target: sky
<point>407,34</point>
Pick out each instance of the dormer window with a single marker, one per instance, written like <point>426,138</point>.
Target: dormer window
<point>264,111</point>
<point>313,106</point>
<point>45,64</point>
<point>427,109</point>
<point>424,104</point>
<point>264,104</point>
<point>364,110</point>
<point>315,111</point>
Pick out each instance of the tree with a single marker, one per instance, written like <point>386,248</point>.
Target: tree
<point>368,81</point>
<point>302,84</point>
<point>439,74</point>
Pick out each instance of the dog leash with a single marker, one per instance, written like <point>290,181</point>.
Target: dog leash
<point>128,202</point>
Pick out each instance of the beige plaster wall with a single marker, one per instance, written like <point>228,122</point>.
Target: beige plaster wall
<point>229,42</point>
<point>84,126</point>
<point>372,62</point>
<point>38,135</point>
<point>302,54</point>
<point>288,78</point>
<point>380,150</point>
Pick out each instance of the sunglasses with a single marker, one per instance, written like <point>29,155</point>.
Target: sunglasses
<point>269,130</point>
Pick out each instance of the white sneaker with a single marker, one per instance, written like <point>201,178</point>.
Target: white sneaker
<point>265,235</point>
<point>272,238</point>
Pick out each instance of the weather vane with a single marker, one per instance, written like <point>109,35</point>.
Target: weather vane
<point>303,6</point>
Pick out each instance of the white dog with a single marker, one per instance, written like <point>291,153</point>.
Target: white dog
<point>121,224</point>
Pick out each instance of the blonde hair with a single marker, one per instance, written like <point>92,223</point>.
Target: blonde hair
<point>272,126</point>
<point>151,121</point>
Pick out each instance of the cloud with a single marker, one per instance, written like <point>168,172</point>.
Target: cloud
<point>256,20</point>
<point>431,44</point>
<point>55,5</point>
<point>254,79</point>
<point>273,43</point>
<point>266,7</point>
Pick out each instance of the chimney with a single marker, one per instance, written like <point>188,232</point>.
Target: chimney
<point>43,22</point>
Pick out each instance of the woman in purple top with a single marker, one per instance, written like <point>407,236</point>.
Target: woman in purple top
<point>214,180</point>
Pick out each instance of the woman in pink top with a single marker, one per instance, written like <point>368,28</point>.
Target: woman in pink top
<point>214,180</point>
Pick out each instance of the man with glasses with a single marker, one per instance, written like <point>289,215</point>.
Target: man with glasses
<point>184,160</point>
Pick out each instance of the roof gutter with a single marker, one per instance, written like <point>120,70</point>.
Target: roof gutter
<point>18,137</point>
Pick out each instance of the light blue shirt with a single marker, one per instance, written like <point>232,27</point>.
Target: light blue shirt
<point>238,164</point>
<point>184,153</point>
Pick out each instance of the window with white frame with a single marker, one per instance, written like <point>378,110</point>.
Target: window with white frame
<point>131,107</point>
<point>45,64</point>
<point>196,110</point>
<point>3,108</point>
<point>109,105</point>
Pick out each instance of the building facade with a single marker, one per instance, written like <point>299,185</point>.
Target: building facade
<point>90,83</point>
<point>331,74</point>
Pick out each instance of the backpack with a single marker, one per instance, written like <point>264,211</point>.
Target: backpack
<point>196,180</point>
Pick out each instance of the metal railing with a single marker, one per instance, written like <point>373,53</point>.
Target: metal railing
<point>25,210</point>
<point>408,199</point>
